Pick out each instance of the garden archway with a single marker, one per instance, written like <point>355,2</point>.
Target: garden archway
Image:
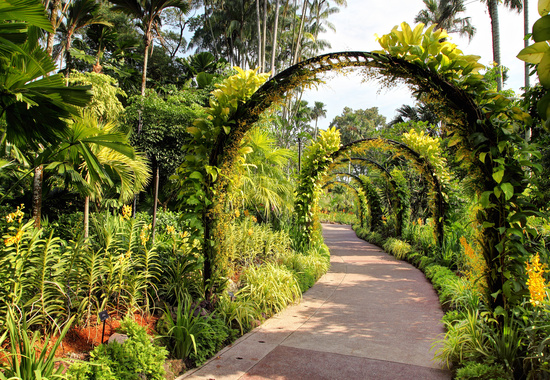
<point>481,125</point>
<point>422,166</point>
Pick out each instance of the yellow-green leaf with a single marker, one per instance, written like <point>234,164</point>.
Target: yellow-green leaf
<point>544,7</point>
<point>533,53</point>
<point>543,70</point>
<point>497,176</point>
<point>507,189</point>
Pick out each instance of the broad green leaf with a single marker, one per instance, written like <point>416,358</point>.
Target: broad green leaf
<point>541,29</point>
<point>196,175</point>
<point>497,176</point>
<point>482,156</point>
<point>543,70</point>
<point>515,231</point>
<point>488,225</point>
<point>484,199</point>
<point>543,106</point>
<point>507,189</point>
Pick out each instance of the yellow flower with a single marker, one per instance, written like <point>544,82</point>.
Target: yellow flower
<point>246,212</point>
<point>126,211</point>
<point>536,281</point>
<point>14,239</point>
<point>250,231</point>
<point>420,221</point>
<point>170,229</point>
<point>144,235</point>
<point>254,219</point>
<point>18,214</point>
<point>237,213</point>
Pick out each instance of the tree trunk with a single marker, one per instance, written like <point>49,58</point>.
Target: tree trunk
<point>300,30</point>
<point>275,32</point>
<point>37,195</point>
<point>147,40</point>
<point>528,131</point>
<point>258,21</point>
<point>67,54</point>
<point>264,41</point>
<point>155,197</point>
<point>495,31</point>
<point>86,217</point>
<point>525,33</point>
<point>53,21</point>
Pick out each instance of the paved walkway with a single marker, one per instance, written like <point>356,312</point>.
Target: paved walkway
<point>370,317</point>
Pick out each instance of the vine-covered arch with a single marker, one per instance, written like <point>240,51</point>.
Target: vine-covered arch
<point>481,124</point>
<point>421,164</point>
<point>359,193</point>
<point>398,207</point>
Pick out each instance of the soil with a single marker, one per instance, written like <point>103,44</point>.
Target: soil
<point>80,340</point>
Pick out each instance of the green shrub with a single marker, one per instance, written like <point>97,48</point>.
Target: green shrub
<point>307,267</point>
<point>24,362</point>
<point>183,331</point>
<point>210,341</point>
<point>137,358</point>
<point>444,282</point>
<point>237,313</point>
<point>270,288</point>
<point>481,371</point>
<point>397,248</point>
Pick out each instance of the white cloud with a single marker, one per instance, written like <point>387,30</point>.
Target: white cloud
<point>357,24</point>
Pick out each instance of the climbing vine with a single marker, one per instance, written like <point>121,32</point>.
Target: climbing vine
<point>203,181</point>
<point>316,162</point>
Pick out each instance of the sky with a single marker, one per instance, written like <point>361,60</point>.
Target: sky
<point>357,24</point>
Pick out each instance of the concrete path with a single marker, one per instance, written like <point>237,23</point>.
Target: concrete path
<point>370,317</point>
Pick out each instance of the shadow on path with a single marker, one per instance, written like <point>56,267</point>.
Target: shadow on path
<point>370,317</point>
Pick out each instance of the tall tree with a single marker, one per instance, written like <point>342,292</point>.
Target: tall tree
<point>274,44</point>
<point>492,6</point>
<point>444,13</point>
<point>318,111</point>
<point>80,14</point>
<point>358,124</point>
<point>148,15</point>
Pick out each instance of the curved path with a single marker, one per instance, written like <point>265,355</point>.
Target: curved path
<point>370,317</point>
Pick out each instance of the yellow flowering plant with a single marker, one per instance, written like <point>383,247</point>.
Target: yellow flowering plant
<point>536,281</point>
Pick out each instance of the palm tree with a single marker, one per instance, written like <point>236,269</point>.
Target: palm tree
<point>148,13</point>
<point>35,106</point>
<point>95,158</point>
<point>318,111</point>
<point>444,13</point>
<point>81,13</point>
<point>264,185</point>
<point>492,6</point>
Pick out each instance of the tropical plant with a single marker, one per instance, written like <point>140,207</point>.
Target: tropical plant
<point>138,357</point>
<point>263,186</point>
<point>148,14</point>
<point>185,328</point>
<point>24,362</point>
<point>444,13</point>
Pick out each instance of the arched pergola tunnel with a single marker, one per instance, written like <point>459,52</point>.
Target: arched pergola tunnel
<point>359,194</point>
<point>421,165</point>
<point>480,125</point>
<point>372,198</point>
